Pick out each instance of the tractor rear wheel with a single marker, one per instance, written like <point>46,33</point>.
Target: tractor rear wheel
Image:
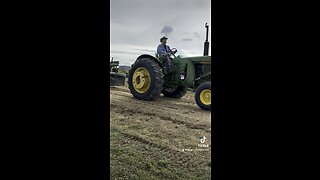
<point>177,92</point>
<point>203,96</point>
<point>145,79</point>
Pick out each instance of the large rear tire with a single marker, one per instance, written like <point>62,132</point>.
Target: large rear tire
<point>145,79</point>
<point>177,92</point>
<point>203,96</point>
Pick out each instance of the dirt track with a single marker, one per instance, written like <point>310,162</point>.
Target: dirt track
<point>159,130</point>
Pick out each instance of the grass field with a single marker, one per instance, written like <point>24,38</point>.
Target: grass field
<point>148,138</point>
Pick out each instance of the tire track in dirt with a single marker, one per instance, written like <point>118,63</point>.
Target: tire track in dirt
<point>189,104</point>
<point>130,111</point>
<point>170,105</point>
<point>164,108</point>
<point>126,92</point>
<point>192,108</point>
<point>176,157</point>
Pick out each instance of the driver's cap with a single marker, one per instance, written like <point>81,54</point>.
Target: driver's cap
<point>163,38</point>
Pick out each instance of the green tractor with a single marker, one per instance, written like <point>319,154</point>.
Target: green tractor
<point>147,79</point>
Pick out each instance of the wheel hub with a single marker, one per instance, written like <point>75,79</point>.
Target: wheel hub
<point>141,80</point>
<point>205,96</point>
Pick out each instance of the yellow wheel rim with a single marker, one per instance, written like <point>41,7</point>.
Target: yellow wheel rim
<point>141,80</point>
<point>205,97</point>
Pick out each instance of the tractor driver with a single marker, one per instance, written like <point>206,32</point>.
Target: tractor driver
<point>164,51</point>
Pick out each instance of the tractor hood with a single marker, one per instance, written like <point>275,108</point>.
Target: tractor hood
<point>198,59</point>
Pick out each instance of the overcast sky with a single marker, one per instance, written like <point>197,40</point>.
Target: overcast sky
<point>136,27</point>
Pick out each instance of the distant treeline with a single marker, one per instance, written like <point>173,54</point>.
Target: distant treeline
<point>124,68</point>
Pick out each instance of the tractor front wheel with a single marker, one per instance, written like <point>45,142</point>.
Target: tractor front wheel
<point>203,96</point>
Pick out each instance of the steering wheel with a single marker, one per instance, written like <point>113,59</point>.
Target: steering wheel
<point>174,51</point>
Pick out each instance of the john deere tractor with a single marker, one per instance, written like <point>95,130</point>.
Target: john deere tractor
<point>147,80</point>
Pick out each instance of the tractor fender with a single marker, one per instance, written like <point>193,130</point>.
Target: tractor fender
<point>150,57</point>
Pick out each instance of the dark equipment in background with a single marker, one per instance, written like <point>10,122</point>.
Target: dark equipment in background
<point>116,79</point>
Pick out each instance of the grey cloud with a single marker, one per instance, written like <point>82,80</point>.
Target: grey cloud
<point>166,30</point>
<point>196,34</point>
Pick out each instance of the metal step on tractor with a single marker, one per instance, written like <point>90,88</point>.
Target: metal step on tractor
<point>147,80</point>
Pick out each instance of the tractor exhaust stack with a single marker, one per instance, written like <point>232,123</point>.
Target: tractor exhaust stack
<point>206,43</point>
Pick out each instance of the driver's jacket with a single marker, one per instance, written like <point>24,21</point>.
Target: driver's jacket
<point>163,50</point>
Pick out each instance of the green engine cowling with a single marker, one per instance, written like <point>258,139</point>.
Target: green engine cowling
<point>189,71</point>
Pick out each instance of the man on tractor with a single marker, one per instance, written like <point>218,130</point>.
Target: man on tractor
<point>165,52</point>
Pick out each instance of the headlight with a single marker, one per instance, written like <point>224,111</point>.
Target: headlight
<point>183,74</point>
